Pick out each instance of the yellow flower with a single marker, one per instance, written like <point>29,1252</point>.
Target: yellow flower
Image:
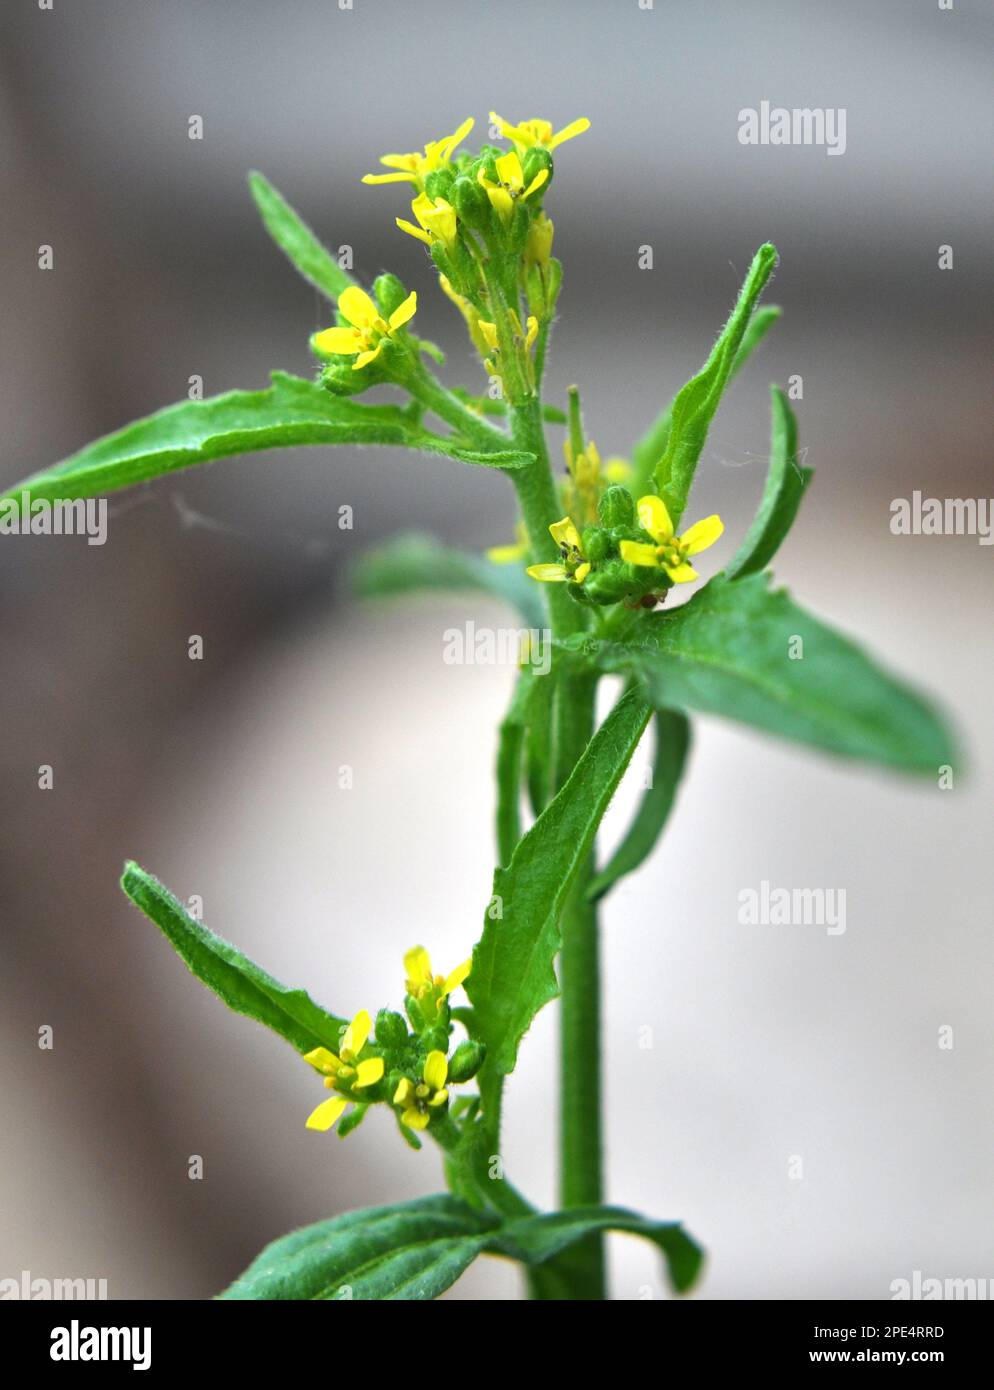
<point>670,552</point>
<point>436,218</point>
<point>421,1098</point>
<point>583,489</point>
<point>489,330</point>
<point>368,330</point>
<point>617,469</point>
<point>538,132</point>
<point>573,565</point>
<point>414,168</point>
<point>345,1069</point>
<point>511,184</point>
<point>422,985</point>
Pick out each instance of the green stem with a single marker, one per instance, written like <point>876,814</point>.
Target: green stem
<point>448,407</point>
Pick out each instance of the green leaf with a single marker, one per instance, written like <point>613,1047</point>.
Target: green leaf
<point>297,241</point>
<point>513,974</point>
<point>413,1250</point>
<point>291,411</point>
<point>409,563</point>
<point>237,981</point>
<point>696,403</point>
<point>535,1239</point>
<point>672,744</point>
<point>729,652</point>
<point>416,1250</point>
<point>510,759</point>
<point>650,448</point>
<point>785,485</point>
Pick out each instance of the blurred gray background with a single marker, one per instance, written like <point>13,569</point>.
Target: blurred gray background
<point>222,775</point>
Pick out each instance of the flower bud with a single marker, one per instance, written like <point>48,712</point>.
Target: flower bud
<point>616,507</point>
<point>609,583</point>
<point>439,183</point>
<point>596,544</point>
<point>391,1030</point>
<point>471,202</point>
<point>536,159</point>
<point>390,293</point>
<point>466,1061</point>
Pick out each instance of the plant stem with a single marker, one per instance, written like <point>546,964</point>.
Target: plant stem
<point>448,407</point>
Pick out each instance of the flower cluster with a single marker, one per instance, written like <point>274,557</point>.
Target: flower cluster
<point>411,1071</point>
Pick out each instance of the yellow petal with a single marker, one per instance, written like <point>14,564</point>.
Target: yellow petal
<point>404,1092</point>
<point>565,533</point>
<point>581,572</point>
<point>364,358</point>
<point>439,1098</point>
<point>342,340</point>
<point>369,1072</point>
<point>453,141</point>
<point>356,305</point>
<point>500,200</point>
<point>536,183</point>
<point>411,230</point>
<point>681,574</point>
<point>455,979</point>
<point>617,470</point>
<point>654,518</point>
<point>415,1119</point>
<point>355,1035</point>
<point>509,169</point>
<point>436,1070</point>
<point>548,574</point>
<point>532,331</point>
<point>326,1113</point>
<point>389,178</point>
<point>702,534</point>
<point>638,553</point>
<point>417,965</point>
<point>489,331</point>
<point>568,132</point>
<point>323,1061</point>
<point>404,311</point>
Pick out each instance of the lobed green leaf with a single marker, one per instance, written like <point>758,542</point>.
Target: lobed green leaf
<point>296,240</point>
<point>672,731</point>
<point>786,482</point>
<point>408,563</point>
<point>745,651</point>
<point>291,411</point>
<point>695,404</point>
<point>513,975</point>
<point>236,980</point>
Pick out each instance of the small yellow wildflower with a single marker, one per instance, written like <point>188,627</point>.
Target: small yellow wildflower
<point>344,1069</point>
<point>670,551</point>
<point>422,985</point>
<point>368,330</point>
<point>419,1099</point>
<point>581,492</point>
<point>538,132</point>
<point>436,219</point>
<point>511,184</point>
<point>573,565</point>
<point>414,168</point>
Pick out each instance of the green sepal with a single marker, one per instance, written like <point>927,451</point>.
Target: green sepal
<point>237,981</point>
<point>786,482</point>
<point>352,1119</point>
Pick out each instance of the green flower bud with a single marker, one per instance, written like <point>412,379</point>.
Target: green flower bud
<point>596,544</point>
<point>536,159</point>
<point>616,507</point>
<point>391,1030</point>
<point>435,1040</point>
<point>389,292</point>
<point>439,183</point>
<point>470,202</point>
<point>610,583</point>
<point>466,1061</point>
